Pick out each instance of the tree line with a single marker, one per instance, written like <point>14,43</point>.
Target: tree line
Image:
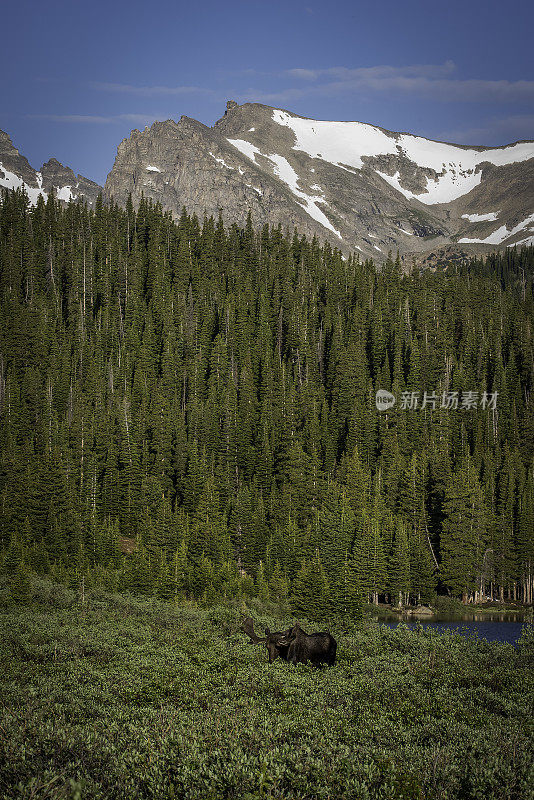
<point>189,410</point>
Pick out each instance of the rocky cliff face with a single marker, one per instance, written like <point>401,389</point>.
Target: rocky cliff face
<point>15,172</point>
<point>356,185</point>
<point>66,184</point>
<point>188,164</point>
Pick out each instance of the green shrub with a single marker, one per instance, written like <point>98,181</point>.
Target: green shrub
<point>133,697</point>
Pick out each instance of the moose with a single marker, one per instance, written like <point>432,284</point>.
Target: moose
<point>277,643</point>
<point>295,645</point>
<point>319,648</point>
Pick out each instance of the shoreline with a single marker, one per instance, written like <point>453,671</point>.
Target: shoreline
<point>425,612</point>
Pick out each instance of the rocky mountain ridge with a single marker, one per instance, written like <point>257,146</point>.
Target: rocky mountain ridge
<point>16,173</point>
<point>359,186</point>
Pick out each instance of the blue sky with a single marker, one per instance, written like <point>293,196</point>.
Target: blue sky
<point>78,76</point>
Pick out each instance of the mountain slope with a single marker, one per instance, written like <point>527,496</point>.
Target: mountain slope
<point>16,173</point>
<point>188,164</point>
<point>357,185</point>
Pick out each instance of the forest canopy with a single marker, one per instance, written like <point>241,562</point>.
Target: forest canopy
<point>189,411</point>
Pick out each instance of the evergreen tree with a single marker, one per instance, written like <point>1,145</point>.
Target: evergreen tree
<point>310,590</point>
<point>278,587</point>
<point>180,403</point>
<point>465,533</point>
<point>346,595</point>
<point>20,585</point>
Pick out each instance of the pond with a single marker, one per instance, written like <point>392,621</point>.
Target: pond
<point>494,627</point>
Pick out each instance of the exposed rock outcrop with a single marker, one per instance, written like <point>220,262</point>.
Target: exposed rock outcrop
<point>16,173</point>
<point>358,186</point>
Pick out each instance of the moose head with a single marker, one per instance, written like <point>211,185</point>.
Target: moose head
<point>277,643</point>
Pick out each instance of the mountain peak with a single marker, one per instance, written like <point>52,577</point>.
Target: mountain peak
<point>356,185</point>
<point>52,162</point>
<point>16,173</point>
<point>5,138</point>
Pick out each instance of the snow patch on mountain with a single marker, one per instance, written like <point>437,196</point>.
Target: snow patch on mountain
<point>490,217</point>
<point>286,173</point>
<point>150,168</point>
<point>340,143</point>
<point>65,193</point>
<point>394,180</point>
<point>283,170</point>
<point>345,144</point>
<point>220,161</point>
<point>528,241</point>
<point>11,181</point>
<point>223,163</point>
<point>496,237</point>
<point>502,233</point>
<point>248,149</point>
<point>259,191</point>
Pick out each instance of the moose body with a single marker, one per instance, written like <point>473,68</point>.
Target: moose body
<point>295,645</point>
<point>318,648</point>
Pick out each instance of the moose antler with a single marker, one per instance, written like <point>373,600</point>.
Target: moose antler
<point>288,636</point>
<point>247,626</point>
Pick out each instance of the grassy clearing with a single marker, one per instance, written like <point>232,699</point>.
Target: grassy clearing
<point>134,698</point>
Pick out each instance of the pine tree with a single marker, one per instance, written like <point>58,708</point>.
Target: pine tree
<point>310,590</point>
<point>209,394</point>
<point>369,558</point>
<point>346,595</point>
<point>399,565</point>
<point>262,587</point>
<point>165,583</point>
<point>525,539</point>
<point>20,585</point>
<point>278,586</point>
<point>464,533</point>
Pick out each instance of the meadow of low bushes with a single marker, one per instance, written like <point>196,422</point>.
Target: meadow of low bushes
<point>128,698</point>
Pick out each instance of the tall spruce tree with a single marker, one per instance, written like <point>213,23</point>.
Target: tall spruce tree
<point>180,402</point>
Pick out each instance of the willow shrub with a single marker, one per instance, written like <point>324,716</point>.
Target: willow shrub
<point>125,697</point>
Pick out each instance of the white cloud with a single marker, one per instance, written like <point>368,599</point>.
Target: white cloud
<point>305,74</point>
<point>432,81</point>
<point>96,119</point>
<point>128,88</point>
<point>511,128</point>
<point>380,71</point>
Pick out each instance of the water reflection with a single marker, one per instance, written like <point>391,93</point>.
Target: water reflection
<point>494,627</point>
<point>473,616</point>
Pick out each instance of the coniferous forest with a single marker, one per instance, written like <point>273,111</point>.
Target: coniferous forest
<point>188,411</point>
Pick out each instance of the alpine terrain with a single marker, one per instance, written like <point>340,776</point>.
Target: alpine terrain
<point>356,185</point>
<point>16,173</point>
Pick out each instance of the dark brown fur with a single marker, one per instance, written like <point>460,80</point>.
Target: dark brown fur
<point>272,641</point>
<point>294,644</point>
<point>318,648</point>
